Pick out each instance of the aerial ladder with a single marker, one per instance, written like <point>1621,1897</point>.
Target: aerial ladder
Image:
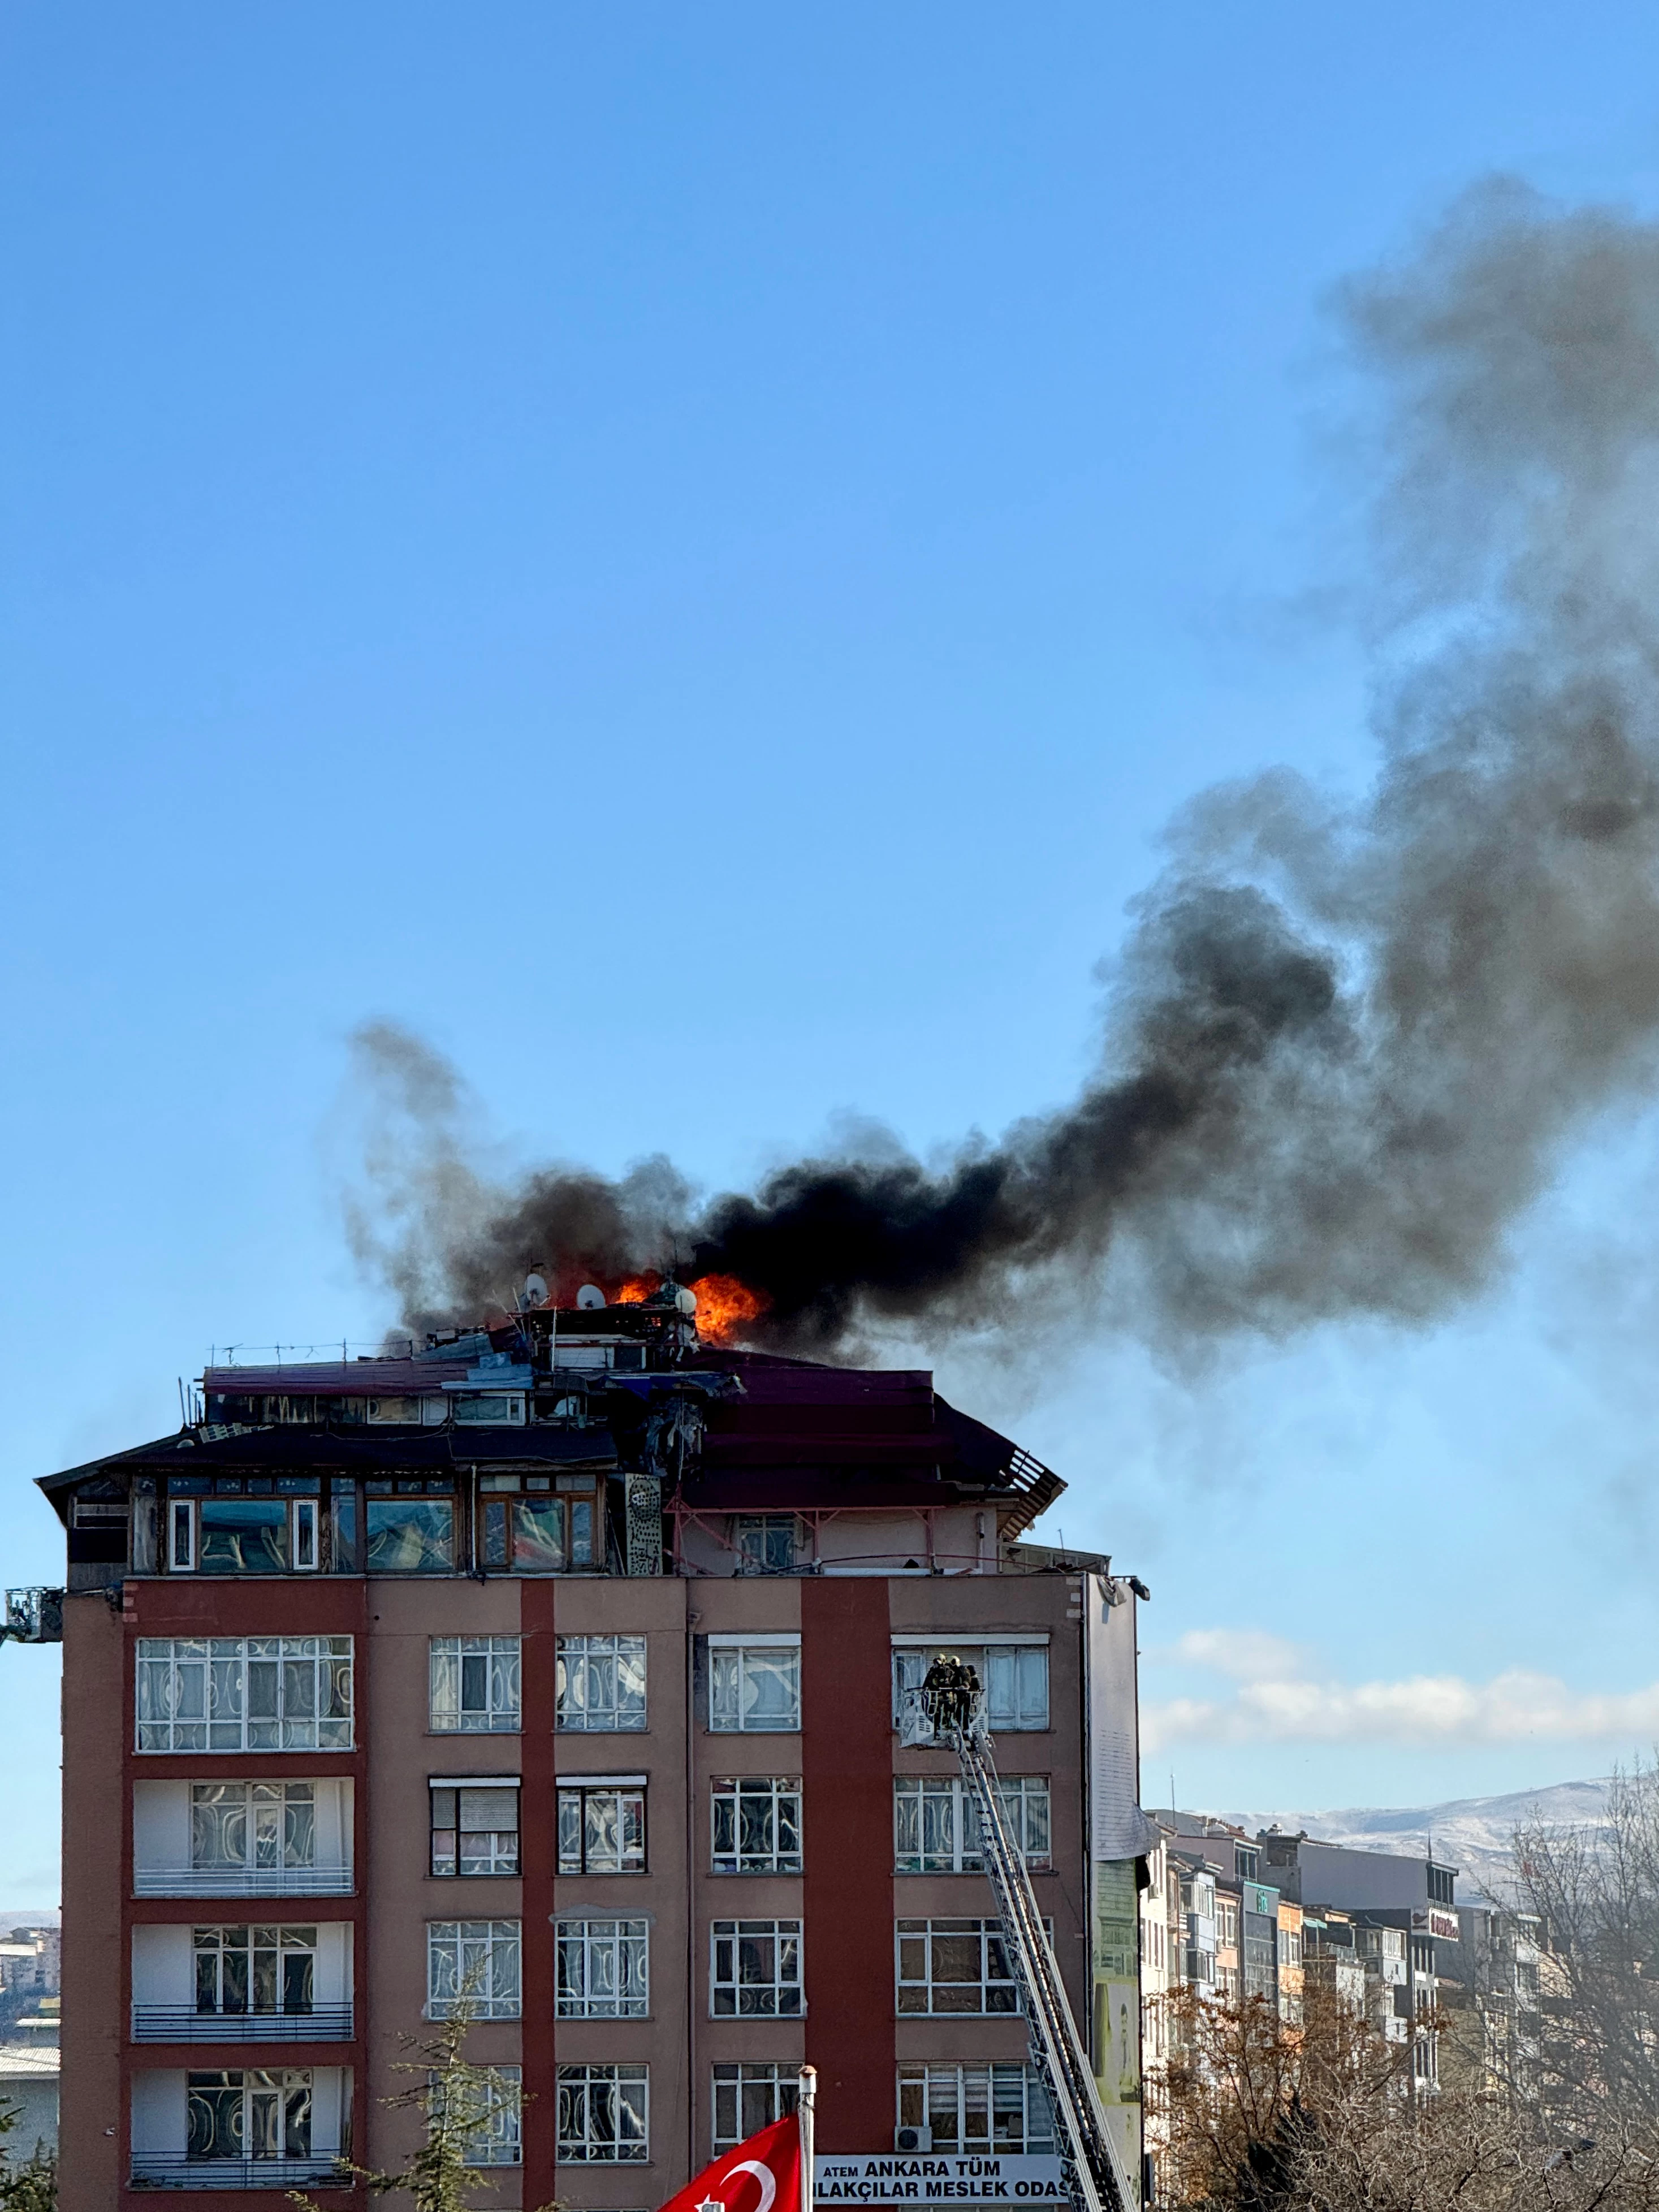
<point>1091,2166</point>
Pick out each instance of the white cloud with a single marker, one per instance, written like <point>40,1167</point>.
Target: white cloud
<point>1248,1655</point>
<point>1282,1705</point>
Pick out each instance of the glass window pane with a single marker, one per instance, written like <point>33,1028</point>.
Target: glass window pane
<point>410,1536</point>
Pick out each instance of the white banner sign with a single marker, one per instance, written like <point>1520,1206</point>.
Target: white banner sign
<point>883,2178</point>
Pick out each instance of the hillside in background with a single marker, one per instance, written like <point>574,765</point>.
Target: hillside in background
<point>1471,1833</point>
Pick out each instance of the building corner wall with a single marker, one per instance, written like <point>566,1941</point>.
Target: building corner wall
<point>93,2126</point>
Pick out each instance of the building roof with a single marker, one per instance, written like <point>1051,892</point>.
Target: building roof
<point>38,2062</point>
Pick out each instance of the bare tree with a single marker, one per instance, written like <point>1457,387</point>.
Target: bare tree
<point>1597,1896</point>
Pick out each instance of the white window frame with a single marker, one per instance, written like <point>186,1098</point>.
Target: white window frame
<point>458,1784</point>
<point>779,2083</point>
<point>973,2091</point>
<point>498,2139</point>
<point>730,1706</point>
<point>472,1948</point>
<point>199,1690</point>
<point>1021,1796</point>
<point>989,1937</point>
<point>914,1655</point>
<point>303,1556</point>
<point>503,1710</point>
<point>283,1942</point>
<point>599,1656</point>
<point>777,1790</point>
<point>181,1524</point>
<point>625,1944</point>
<point>590,2148</point>
<point>582,1787</point>
<point>781,1997</point>
<point>745,1526</point>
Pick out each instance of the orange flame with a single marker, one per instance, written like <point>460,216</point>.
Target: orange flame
<point>637,1289</point>
<point>724,1306</point>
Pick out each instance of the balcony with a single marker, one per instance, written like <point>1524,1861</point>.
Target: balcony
<point>183,2024</point>
<point>283,2173</point>
<point>241,1882</point>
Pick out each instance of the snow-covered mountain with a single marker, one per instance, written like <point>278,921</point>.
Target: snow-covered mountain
<point>1471,1833</point>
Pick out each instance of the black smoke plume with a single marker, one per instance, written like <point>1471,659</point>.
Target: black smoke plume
<point>1344,1046</point>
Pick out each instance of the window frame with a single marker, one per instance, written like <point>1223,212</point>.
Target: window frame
<point>1025,1791</point>
<point>917,1654</point>
<point>922,2080</point>
<point>295,1941</point>
<point>734,1654</point>
<point>283,2083</point>
<point>331,1660</point>
<point>505,1935</point>
<point>582,1934</point>
<point>181,1522</point>
<point>988,1936</point>
<point>588,2148</point>
<point>733,1787</point>
<point>502,1717</point>
<point>455,1786</point>
<point>787,1992</point>
<point>782,2076</point>
<point>570,1718</point>
<point>582,1787</point>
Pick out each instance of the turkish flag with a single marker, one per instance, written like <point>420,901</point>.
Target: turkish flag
<point>761,2175</point>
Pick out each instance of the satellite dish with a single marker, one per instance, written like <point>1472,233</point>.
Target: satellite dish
<point>535,1290</point>
<point>589,1298</point>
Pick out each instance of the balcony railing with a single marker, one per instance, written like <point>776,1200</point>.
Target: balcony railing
<point>282,2173</point>
<point>182,2024</point>
<point>241,1882</point>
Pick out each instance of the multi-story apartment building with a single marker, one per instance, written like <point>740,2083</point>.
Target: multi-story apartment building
<point>1404,1915</point>
<point>572,1667</point>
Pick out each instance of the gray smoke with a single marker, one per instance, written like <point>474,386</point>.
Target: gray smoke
<point>1345,1047</point>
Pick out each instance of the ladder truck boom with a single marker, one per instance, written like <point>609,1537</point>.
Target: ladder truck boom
<point>1093,2170</point>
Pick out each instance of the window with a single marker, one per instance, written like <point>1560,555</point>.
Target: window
<point>1226,1922</point>
<point>754,1686</point>
<point>602,1827</point>
<point>410,1536</point>
<point>600,1683</point>
<point>494,2103</point>
<point>602,1969</point>
<point>248,1825</point>
<point>304,1510</point>
<point>535,1534</point>
<point>477,1959</point>
<point>756,1970</point>
<point>1000,2109</point>
<point>475,1825</point>
<point>954,1966</point>
<point>491,1408</point>
<point>255,1970</point>
<point>765,1542</point>
<point>181,1534</point>
<point>242,1535</point>
<point>1014,1676</point>
<point>936,1822</point>
<point>604,2116</point>
<point>244,1693</point>
<point>1290,1947</point>
<point>749,2098</point>
<point>254,2114</point>
<point>1247,1861</point>
<point>475,1685</point>
<point>756,1824</point>
<point>1442,1882</point>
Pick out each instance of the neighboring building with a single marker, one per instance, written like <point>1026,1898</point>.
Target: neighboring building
<point>1291,1973</point>
<point>30,1962</point>
<point>1396,1905</point>
<point>565,1664</point>
<point>28,2086</point>
<point>1492,1990</point>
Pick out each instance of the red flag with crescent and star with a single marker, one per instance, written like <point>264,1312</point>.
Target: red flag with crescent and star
<point>761,2175</point>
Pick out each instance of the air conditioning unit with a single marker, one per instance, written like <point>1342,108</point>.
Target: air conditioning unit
<point>913,2139</point>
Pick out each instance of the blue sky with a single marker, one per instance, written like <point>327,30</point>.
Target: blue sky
<point>688,554</point>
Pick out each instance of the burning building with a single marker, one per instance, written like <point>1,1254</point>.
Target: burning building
<point>571,1664</point>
